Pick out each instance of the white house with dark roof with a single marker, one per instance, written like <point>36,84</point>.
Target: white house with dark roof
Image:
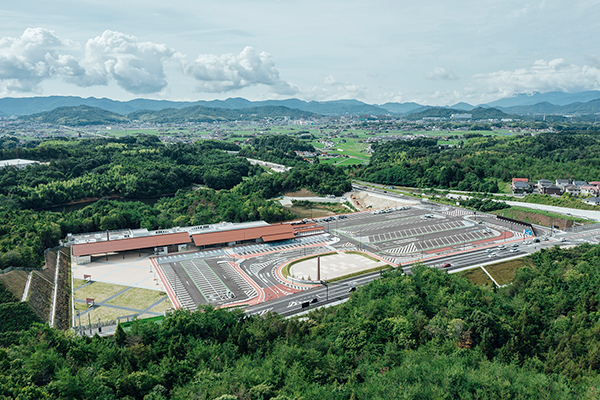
<point>572,190</point>
<point>595,201</point>
<point>561,183</point>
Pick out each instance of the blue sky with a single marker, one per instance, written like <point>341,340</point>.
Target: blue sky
<point>431,52</point>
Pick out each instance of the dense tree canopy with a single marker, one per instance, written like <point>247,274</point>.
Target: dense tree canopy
<point>426,335</point>
<point>481,162</point>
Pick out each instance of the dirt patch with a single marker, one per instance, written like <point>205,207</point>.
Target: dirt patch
<point>375,202</point>
<point>301,193</point>
<point>310,212</point>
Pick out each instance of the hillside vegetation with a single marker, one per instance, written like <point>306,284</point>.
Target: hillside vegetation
<point>480,163</point>
<point>87,115</point>
<point>427,335</point>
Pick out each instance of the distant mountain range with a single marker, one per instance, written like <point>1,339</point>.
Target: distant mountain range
<point>86,115</point>
<point>523,104</point>
<point>443,112</point>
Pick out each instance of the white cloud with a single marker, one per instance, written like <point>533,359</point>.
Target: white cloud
<point>333,89</point>
<point>27,61</point>
<point>227,72</point>
<point>136,66</point>
<point>39,54</point>
<point>555,75</point>
<point>441,73</point>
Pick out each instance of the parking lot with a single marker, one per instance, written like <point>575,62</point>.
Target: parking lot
<point>248,274</point>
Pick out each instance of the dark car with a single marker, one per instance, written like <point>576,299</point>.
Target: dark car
<point>352,289</point>
<point>315,300</point>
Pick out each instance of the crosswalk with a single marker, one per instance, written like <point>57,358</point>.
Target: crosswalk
<point>186,256</point>
<point>410,248</point>
<point>255,268</point>
<point>457,212</point>
<point>287,245</point>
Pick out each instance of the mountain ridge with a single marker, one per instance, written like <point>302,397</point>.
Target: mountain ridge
<point>536,103</point>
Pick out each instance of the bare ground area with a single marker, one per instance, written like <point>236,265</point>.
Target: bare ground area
<point>301,193</point>
<point>371,201</point>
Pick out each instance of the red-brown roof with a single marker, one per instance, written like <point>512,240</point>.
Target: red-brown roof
<point>520,180</point>
<point>306,226</point>
<point>280,236</point>
<point>144,242</point>
<point>314,228</point>
<point>204,239</point>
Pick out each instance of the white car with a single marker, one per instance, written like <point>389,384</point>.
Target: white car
<point>492,255</point>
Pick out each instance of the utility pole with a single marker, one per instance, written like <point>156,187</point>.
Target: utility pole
<point>326,284</point>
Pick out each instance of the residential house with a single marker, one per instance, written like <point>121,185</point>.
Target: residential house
<point>542,183</point>
<point>561,183</point>
<point>595,183</point>
<point>579,184</point>
<point>595,201</point>
<point>552,189</point>
<point>589,190</point>
<point>572,190</point>
<point>520,187</point>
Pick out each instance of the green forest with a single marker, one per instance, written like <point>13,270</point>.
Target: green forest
<point>428,335</point>
<point>120,172</point>
<point>421,336</point>
<point>480,163</point>
<point>86,115</point>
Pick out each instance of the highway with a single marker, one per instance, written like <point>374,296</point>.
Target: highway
<point>469,258</point>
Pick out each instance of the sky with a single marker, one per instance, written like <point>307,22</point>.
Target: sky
<point>429,51</point>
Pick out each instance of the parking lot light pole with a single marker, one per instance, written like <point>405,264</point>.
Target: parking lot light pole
<point>324,283</point>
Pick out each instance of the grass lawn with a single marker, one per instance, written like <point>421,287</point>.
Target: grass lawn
<point>78,282</point>
<point>99,291</point>
<point>477,276</point>
<point>352,161</point>
<point>137,298</point>
<point>540,217</point>
<point>504,272</point>
<point>162,306</point>
<point>104,313</point>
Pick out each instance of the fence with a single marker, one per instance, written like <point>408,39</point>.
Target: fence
<point>583,228</point>
<point>28,269</point>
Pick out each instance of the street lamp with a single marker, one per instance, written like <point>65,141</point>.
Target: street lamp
<point>324,283</point>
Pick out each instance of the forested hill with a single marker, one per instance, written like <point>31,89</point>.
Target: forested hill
<point>443,112</point>
<point>86,115</point>
<point>481,163</point>
<point>77,116</point>
<point>206,114</point>
<point>430,335</point>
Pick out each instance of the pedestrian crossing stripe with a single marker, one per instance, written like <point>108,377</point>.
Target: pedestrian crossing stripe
<point>411,248</point>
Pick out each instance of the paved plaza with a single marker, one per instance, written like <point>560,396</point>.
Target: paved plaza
<point>333,266</point>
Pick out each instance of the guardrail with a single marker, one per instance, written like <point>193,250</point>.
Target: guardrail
<point>582,228</point>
